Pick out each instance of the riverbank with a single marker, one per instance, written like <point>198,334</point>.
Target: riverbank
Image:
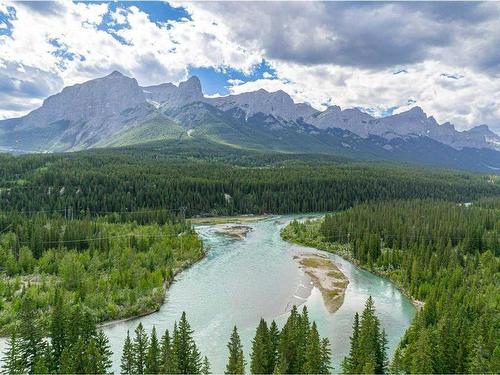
<point>326,276</point>
<point>314,240</point>
<point>166,286</point>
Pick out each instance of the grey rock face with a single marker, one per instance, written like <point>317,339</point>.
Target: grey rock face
<point>413,122</point>
<point>90,114</point>
<point>186,93</point>
<point>278,104</point>
<point>98,98</point>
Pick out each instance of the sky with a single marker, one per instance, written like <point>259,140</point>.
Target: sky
<point>381,57</point>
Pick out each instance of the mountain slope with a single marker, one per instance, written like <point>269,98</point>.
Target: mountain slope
<point>114,111</point>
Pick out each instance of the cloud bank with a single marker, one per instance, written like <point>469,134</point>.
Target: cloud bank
<point>379,56</point>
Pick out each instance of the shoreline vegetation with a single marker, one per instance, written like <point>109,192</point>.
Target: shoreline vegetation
<point>117,270</point>
<point>166,286</point>
<point>313,239</point>
<point>326,276</point>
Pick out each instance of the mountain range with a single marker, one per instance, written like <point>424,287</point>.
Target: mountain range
<point>115,111</point>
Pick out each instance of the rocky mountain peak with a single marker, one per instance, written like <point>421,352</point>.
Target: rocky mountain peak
<point>96,98</point>
<point>191,86</point>
<point>415,112</point>
<point>115,74</point>
<point>483,129</point>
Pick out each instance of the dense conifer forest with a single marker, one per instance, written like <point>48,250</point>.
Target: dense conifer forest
<point>92,237</point>
<point>444,254</point>
<point>217,184</point>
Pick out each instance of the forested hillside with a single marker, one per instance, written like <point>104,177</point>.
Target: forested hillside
<point>445,254</point>
<point>217,183</point>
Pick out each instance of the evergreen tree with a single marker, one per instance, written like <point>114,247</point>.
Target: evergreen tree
<point>92,359</point>
<point>140,348</point>
<point>302,339</point>
<point>274,340</point>
<point>368,344</point>
<point>326,355</point>
<point>236,360</point>
<point>153,356</point>
<point>261,350</point>
<point>30,336</point>
<point>423,358</point>
<point>313,355</point>
<point>351,364</point>
<point>57,329</point>
<point>43,361</point>
<point>127,361</point>
<point>289,343</point>
<point>81,353</point>
<point>188,357</point>
<point>167,357</point>
<point>66,364</point>
<point>103,355</point>
<point>205,368</point>
<point>396,364</point>
<point>12,361</point>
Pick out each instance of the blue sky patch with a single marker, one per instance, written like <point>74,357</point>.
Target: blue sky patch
<point>216,81</point>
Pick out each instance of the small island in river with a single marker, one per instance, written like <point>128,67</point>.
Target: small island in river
<point>326,276</point>
<point>236,231</point>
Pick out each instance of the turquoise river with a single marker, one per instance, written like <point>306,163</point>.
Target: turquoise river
<point>240,281</point>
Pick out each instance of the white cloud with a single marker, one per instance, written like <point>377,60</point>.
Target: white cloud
<point>315,53</point>
<point>468,101</point>
<point>68,40</point>
<point>320,58</point>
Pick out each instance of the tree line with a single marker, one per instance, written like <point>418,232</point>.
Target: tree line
<point>71,344</point>
<point>112,181</point>
<point>74,344</point>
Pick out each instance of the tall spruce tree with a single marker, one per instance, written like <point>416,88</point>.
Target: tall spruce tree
<point>236,360</point>
<point>188,357</point>
<point>478,362</point>
<point>289,343</point>
<point>205,367</point>
<point>153,355</point>
<point>261,350</point>
<point>57,331</point>
<point>423,362</point>
<point>127,360</point>
<point>43,360</point>
<point>326,355</point>
<point>103,355</point>
<point>350,364</point>
<point>368,344</point>
<point>274,340</point>
<point>140,349</point>
<point>302,338</point>
<point>167,358</point>
<point>313,354</point>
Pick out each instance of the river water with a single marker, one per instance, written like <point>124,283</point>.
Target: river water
<point>240,281</point>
